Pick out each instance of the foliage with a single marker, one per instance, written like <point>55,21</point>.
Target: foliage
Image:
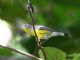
<point>60,15</point>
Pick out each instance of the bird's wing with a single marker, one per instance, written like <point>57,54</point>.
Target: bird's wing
<point>40,27</point>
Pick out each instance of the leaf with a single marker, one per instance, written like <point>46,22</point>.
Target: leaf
<point>5,52</point>
<point>29,44</point>
<point>77,57</point>
<point>53,53</point>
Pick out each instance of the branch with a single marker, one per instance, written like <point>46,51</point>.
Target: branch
<point>23,53</point>
<point>43,53</point>
<point>31,11</point>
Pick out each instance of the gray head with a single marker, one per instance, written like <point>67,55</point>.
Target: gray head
<point>26,26</point>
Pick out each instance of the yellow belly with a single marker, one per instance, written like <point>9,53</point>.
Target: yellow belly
<point>40,33</point>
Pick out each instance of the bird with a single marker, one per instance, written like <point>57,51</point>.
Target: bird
<point>42,32</point>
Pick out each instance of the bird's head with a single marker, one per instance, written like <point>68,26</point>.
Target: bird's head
<point>26,27</point>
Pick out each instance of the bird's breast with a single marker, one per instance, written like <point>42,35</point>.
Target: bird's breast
<point>42,34</point>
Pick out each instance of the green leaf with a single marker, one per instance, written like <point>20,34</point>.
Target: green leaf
<point>52,53</point>
<point>29,44</point>
<point>5,52</point>
<point>77,57</point>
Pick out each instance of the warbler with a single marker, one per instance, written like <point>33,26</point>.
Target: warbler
<point>42,32</point>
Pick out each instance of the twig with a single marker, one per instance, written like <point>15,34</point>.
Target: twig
<point>43,53</point>
<point>31,10</point>
<point>22,52</point>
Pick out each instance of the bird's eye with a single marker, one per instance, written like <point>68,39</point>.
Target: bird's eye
<point>25,25</point>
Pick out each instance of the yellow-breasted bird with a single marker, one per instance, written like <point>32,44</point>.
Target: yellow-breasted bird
<point>42,32</point>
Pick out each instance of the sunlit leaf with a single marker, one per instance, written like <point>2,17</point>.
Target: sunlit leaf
<point>52,53</point>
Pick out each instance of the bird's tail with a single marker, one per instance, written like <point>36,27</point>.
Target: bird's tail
<point>57,34</point>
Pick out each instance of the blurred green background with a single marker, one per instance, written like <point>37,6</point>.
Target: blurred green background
<point>62,15</point>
